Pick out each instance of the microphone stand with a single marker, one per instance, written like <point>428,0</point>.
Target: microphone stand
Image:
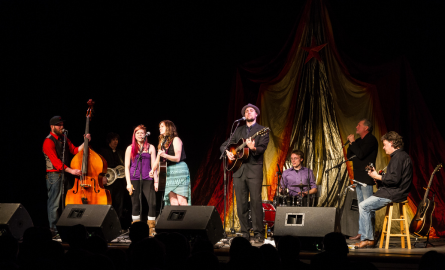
<point>65,133</point>
<point>277,192</point>
<point>336,177</point>
<point>223,157</point>
<point>140,176</point>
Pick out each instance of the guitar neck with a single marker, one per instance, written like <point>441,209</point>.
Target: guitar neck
<point>244,143</point>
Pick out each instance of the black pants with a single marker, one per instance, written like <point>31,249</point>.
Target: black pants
<point>120,199</point>
<point>244,186</point>
<point>148,193</point>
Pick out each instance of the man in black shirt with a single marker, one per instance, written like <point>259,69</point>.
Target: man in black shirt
<point>395,186</point>
<point>365,148</point>
<point>120,199</point>
<point>249,177</point>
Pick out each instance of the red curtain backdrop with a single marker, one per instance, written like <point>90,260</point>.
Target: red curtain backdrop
<point>396,100</point>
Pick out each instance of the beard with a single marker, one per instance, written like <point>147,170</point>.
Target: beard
<point>58,132</point>
<point>250,120</point>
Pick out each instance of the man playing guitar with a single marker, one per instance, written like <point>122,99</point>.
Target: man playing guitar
<point>396,184</point>
<point>249,177</point>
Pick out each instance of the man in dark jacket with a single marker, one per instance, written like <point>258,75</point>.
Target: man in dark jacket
<point>249,177</point>
<point>395,186</point>
<point>365,149</point>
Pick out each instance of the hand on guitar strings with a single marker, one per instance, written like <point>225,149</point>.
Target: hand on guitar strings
<point>130,189</point>
<point>374,174</point>
<point>230,155</point>
<point>250,143</point>
<point>162,153</point>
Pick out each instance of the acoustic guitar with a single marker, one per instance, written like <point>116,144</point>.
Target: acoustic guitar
<point>241,151</point>
<point>421,223</point>
<point>163,168</point>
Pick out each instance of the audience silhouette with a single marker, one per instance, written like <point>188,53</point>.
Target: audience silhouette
<point>171,251</point>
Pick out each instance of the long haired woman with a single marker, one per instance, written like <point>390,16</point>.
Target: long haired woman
<point>177,187</point>
<point>137,173</point>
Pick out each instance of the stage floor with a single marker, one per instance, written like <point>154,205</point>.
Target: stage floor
<point>393,258</point>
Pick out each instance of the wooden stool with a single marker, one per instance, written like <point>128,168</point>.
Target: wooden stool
<point>404,229</point>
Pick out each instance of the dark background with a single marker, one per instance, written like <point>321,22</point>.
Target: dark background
<point>146,62</point>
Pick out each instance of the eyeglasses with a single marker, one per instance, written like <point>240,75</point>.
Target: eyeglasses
<point>294,159</point>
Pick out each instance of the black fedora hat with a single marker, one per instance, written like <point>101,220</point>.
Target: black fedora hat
<point>55,120</point>
<point>243,110</point>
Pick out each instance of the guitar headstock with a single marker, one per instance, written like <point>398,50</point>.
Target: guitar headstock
<point>90,108</point>
<point>264,131</point>
<point>370,167</point>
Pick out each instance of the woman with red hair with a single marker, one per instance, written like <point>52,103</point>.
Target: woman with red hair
<point>138,176</point>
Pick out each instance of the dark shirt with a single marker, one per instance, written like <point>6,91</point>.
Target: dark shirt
<point>113,158</point>
<point>253,165</point>
<point>396,183</point>
<point>366,151</point>
<point>171,151</point>
<point>303,176</point>
<point>248,129</point>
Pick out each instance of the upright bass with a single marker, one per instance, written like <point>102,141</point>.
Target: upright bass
<point>88,188</point>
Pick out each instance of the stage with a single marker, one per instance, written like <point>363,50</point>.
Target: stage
<point>393,258</point>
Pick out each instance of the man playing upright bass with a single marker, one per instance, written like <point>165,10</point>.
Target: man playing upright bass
<point>53,152</point>
<point>249,177</point>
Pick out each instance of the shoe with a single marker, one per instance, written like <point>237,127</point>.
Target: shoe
<point>246,235</point>
<point>366,244</point>
<point>151,226</point>
<point>258,238</point>
<point>357,237</point>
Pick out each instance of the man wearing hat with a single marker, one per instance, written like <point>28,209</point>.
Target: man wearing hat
<point>249,177</point>
<point>53,152</point>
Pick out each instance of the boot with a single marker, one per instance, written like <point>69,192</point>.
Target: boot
<point>151,226</point>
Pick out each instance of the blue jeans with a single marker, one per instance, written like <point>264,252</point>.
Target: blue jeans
<point>54,187</point>
<point>364,193</point>
<point>366,209</point>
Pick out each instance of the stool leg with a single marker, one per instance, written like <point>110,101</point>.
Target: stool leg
<point>384,229</point>
<point>388,233</point>
<point>408,239</point>
<point>402,225</point>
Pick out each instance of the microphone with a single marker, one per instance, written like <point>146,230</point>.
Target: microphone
<point>241,119</point>
<point>279,171</point>
<point>346,143</point>
<point>147,134</point>
<point>363,184</point>
<point>65,131</point>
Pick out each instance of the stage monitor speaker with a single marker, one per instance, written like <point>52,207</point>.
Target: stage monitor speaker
<point>100,220</point>
<point>192,221</point>
<point>350,214</point>
<point>14,219</point>
<point>305,221</point>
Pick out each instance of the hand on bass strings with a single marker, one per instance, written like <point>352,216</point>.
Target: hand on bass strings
<point>88,136</point>
<point>104,180</point>
<point>250,143</point>
<point>73,171</point>
<point>230,155</point>
<point>351,138</point>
